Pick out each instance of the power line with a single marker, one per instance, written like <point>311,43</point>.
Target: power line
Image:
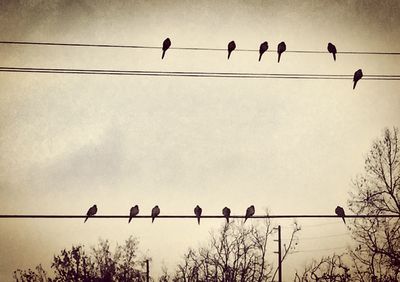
<point>193,74</point>
<point>318,250</point>
<point>327,236</point>
<point>322,237</point>
<point>187,48</point>
<point>193,216</point>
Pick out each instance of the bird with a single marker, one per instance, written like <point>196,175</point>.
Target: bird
<point>154,213</point>
<point>281,49</point>
<point>91,212</point>
<point>197,212</point>
<point>231,47</point>
<point>226,212</point>
<point>332,49</point>
<point>340,212</point>
<point>134,212</point>
<point>263,49</point>
<point>249,212</point>
<point>165,47</point>
<point>357,76</point>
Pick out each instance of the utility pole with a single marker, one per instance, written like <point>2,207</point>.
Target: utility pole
<point>147,271</point>
<point>279,252</point>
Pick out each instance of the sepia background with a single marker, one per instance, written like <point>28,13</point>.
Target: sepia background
<point>291,146</point>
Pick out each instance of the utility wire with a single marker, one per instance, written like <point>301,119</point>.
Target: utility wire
<point>318,250</point>
<point>188,48</point>
<point>193,216</point>
<point>193,74</point>
<point>327,236</point>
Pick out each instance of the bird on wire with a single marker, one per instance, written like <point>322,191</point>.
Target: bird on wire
<point>91,212</point>
<point>197,212</point>
<point>227,213</point>
<point>249,212</point>
<point>165,47</point>
<point>332,49</point>
<point>154,213</point>
<point>357,76</point>
<point>133,212</point>
<point>231,47</point>
<point>281,49</point>
<point>340,212</point>
<point>263,49</point>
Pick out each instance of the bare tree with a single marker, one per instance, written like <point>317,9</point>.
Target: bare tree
<point>101,264</point>
<point>330,268</point>
<point>37,275</point>
<point>236,253</point>
<point>377,192</point>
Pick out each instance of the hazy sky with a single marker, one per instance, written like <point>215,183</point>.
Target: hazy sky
<point>292,146</point>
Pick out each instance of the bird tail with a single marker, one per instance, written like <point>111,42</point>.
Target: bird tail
<point>259,58</point>
<point>229,54</point>
<point>344,220</point>
<point>198,220</point>
<point>279,57</point>
<point>163,54</point>
<point>152,219</point>
<point>130,218</point>
<point>86,219</point>
<point>354,84</point>
<point>334,56</point>
<point>227,219</point>
<point>245,219</point>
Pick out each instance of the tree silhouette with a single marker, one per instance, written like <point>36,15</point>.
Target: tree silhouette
<point>376,192</point>
<point>236,253</point>
<point>37,275</point>
<point>330,268</point>
<point>100,264</point>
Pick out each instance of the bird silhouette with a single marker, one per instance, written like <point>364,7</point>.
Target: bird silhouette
<point>91,212</point>
<point>249,212</point>
<point>197,212</point>
<point>231,47</point>
<point>154,213</point>
<point>227,213</point>
<point>340,212</point>
<point>165,47</point>
<point>357,76</point>
<point>281,49</point>
<point>263,49</point>
<point>332,49</point>
<point>134,212</point>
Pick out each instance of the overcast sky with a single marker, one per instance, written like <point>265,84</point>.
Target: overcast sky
<point>292,146</point>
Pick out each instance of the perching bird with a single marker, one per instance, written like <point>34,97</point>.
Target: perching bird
<point>91,212</point>
<point>165,46</point>
<point>197,212</point>
<point>263,49</point>
<point>231,47</point>
<point>340,212</point>
<point>227,213</point>
<point>154,213</point>
<point>134,212</point>
<point>281,49</point>
<point>357,76</point>
<point>249,212</point>
<point>332,49</point>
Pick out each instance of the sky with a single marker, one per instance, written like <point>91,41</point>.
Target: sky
<point>290,146</point>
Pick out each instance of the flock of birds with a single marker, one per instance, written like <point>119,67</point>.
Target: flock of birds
<point>264,47</point>
<point>226,212</point>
